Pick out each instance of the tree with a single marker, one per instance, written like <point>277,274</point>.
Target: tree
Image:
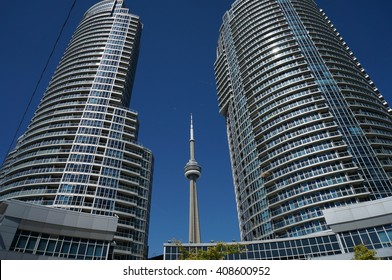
<point>361,252</point>
<point>217,252</point>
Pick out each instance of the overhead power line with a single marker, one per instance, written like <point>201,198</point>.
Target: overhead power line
<point>40,78</point>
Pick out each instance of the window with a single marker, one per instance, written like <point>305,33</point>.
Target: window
<point>31,245</point>
<point>114,153</point>
<point>90,251</point>
<point>82,249</point>
<point>22,242</point>
<point>389,233</point>
<point>110,172</point>
<point>108,182</point>
<point>51,247</point>
<point>374,238</point>
<point>98,251</point>
<point>65,248</point>
<point>42,245</point>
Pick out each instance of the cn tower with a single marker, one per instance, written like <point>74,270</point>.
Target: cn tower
<point>192,171</point>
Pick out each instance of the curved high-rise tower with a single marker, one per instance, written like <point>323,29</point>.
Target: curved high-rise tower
<point>307,128</point>
<point>192,171</point>
<point>80,151</point>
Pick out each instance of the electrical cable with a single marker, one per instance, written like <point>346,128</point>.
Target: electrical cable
<point>40,79</point>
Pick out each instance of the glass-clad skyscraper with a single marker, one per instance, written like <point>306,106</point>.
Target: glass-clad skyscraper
<point>307,128</point>
<point>80,150</point>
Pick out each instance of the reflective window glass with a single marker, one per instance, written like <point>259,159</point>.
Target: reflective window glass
<point>74,248</point>
<point>374,238</point>
<point>65,247</point>
<point>356,239</point>
<point>42,244</point>
<point>31,244</point>
<point>98,251</point>
<point>22,242</point>
<point>51,246</point>
<point>90,250</point>
<point>383,237</point>
<point>389,233</point>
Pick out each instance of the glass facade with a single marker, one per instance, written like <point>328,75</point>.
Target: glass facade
<point>311,247</point>
<point>307,128</point>
<point>374,238</point>
<point>60,246</point>
<point>80,151</point>
<point>293,249</point>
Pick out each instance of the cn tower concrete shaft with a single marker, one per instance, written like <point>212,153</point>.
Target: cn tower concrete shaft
<point>192,172</point>
<point>194,225</point>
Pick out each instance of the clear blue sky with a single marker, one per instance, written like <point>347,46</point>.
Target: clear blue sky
<point>174,79</point>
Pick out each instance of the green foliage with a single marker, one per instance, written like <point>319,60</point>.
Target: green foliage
<point>217,252</point>
<point>361,252</point>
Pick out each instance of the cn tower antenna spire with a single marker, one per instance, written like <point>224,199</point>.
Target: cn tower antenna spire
<point>192,171</point>
<point>192,138</point>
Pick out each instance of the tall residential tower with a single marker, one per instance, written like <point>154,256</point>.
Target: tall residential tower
<point>307,128</point>
<point>80,152</point>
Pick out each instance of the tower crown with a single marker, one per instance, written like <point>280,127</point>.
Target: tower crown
<point>192,169</point>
